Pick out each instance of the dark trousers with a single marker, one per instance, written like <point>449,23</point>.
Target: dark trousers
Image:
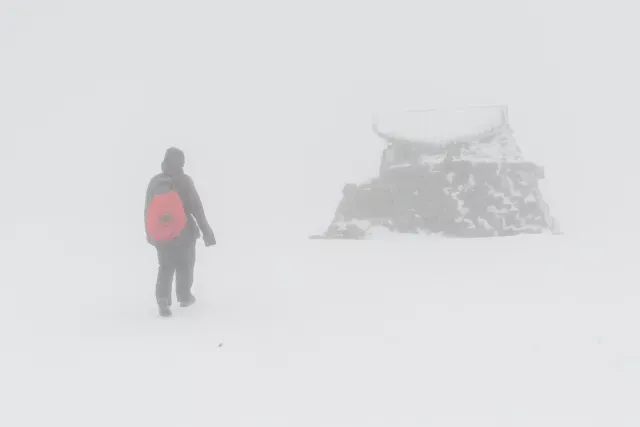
<point>177,259</point>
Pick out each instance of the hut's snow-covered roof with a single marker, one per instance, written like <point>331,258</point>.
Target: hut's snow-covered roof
<point>440,127</point>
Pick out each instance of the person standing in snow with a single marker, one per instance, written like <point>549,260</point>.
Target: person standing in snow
<point>174,220</point>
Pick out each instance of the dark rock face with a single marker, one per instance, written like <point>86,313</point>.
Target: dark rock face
<point>479,188</point>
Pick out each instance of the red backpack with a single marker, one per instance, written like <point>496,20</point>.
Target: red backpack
<point>166,217</point>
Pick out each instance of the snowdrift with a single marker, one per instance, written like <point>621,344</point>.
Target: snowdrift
<point>455,173</point>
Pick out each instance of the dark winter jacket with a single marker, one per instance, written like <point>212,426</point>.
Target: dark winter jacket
<point>173,166</point>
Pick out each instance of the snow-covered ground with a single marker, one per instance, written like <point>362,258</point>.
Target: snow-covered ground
<point>526,331</point>
<point>272,102</point>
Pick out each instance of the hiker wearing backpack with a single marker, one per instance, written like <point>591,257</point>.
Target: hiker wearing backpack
<point>174,220</point>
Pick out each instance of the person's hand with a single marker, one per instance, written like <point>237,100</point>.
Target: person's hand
<point>209,240</point>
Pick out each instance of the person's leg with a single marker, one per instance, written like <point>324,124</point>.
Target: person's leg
<point>166,270</point>
<point>184,272</point>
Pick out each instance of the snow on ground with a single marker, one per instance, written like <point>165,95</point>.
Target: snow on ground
<point>523,331</point>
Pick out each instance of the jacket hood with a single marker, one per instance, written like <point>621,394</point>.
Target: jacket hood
<point>173,163</point>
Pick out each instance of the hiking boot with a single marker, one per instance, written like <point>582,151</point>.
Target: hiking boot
<point>190,301</point>
<point>163,308</point>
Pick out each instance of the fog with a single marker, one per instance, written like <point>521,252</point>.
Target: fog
<point>272,103</point>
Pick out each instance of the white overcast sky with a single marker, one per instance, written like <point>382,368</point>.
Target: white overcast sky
<point>272,101</point>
